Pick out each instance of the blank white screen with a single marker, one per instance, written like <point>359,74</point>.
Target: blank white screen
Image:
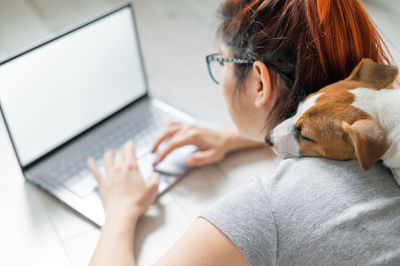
<point>53,93</point>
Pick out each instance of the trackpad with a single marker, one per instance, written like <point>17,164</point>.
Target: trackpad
<point>175,162</point>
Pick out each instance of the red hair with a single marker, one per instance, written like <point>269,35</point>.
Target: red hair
<point>338,47</point>
<point>313,42</point>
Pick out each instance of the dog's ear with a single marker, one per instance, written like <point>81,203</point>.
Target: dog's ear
<point>377,75</point>
<point>369,140</point>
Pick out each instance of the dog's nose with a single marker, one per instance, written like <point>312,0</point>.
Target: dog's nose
<point>267,139</point>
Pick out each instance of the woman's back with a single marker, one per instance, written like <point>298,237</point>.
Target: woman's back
<point>315,211</point>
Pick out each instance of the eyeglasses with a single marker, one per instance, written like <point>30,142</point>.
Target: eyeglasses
<point>215,63</point>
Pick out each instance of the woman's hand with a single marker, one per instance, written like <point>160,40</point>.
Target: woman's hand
<point>124,193</point>
<point>212,145</point>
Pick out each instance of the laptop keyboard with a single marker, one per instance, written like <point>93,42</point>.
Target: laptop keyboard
<point>143,130</point>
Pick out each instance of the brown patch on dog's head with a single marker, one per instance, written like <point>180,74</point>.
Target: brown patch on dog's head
<point>338,131</point>
<point>320,131</point>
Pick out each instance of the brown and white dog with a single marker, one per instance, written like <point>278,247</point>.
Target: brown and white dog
<point>353,117</point>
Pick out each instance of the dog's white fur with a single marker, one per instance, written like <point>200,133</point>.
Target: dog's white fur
<point>383,106</point>
<point>284,136</point>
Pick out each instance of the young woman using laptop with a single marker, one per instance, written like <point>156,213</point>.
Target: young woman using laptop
<point>311,211</point>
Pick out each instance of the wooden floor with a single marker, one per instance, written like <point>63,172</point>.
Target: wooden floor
<point>35,228</point>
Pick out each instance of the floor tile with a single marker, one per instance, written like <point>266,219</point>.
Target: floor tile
<point>28,236</point>
<point>20,26</point>
<point>66,221</point>
<point>200,189</point>
<point>81,248</point>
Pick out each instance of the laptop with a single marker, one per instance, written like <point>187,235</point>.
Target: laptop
<point>79,94</point>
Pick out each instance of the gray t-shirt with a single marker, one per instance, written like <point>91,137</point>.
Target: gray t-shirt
<point>314,211</point>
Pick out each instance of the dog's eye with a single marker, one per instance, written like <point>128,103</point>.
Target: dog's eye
<point>306,139</point>
<point>298,132</point>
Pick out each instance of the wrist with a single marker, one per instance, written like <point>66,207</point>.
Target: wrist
<point>125,222</point>
<point>120,231</point>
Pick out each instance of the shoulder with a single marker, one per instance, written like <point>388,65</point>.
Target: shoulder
<point>327,171</point>
<point>310,183</point>
<point>323,206</point>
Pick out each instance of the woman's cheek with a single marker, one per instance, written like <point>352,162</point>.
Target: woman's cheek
<point>228,88</point>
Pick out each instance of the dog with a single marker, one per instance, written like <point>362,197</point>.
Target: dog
<point>356,117</point>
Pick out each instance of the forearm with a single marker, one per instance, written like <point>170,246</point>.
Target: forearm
<point>116,244</point>
<point>235,142</point>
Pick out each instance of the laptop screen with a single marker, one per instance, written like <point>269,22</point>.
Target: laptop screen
<point>58,90</point>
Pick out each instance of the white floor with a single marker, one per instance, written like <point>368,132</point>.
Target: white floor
<point>35,228</point>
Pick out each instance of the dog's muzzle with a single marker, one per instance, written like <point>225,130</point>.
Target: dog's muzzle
<point>267,139</point>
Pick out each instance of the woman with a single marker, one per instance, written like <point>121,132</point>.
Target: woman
<point>311,211</point>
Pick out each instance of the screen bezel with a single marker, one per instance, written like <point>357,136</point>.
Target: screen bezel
<point>56,37</point>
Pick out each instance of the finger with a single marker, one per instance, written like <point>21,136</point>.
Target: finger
<point>93,168</point>
<point>108,159</point>
<point>129,152</point>
<point>201,158</point>
<point>154,178</point>
<point>119,158</point>
<point>170,130</point>
<point>170,146</point>
<point>152,184</point>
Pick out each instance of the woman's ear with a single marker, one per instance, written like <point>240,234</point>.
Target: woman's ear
<point>264,88</point>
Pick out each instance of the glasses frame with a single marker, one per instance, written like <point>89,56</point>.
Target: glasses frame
<point>216,57</point>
